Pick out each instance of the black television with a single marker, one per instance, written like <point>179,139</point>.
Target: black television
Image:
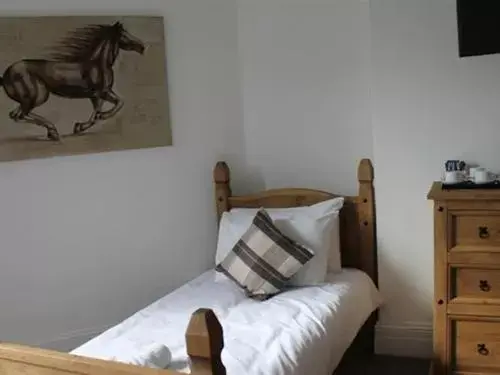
<point>478,27</point>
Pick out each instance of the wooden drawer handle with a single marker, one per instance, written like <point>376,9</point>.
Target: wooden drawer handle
<point>484,285</point>
<point>484,232</point>
<point>482,350</point>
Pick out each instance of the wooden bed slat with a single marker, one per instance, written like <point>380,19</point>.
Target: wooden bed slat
<point>203,339</point>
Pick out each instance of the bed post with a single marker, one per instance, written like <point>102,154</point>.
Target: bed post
<point>368,243</point>
<point>366,216</point>
<point>363,345</point>
<point>222,179</point>
<point>204,341</point>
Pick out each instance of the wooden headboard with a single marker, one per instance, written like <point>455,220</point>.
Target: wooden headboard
<point>357,218</point>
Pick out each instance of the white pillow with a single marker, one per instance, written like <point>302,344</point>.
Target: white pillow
<point>316,227</point>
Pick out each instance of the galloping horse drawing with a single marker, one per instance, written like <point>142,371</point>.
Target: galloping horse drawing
<point>79,67</point>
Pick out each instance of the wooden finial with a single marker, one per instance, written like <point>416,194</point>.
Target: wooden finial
<point>365,171</point>
<point>204,340</point>
<point>222,174</point>
<point>222,179</point>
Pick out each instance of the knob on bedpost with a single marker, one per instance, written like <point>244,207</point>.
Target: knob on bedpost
<point>365,171</point>
<point>222,180</point>
<point>204,341</point>
<point>221,173</point>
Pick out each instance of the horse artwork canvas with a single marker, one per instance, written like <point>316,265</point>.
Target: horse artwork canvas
<point>73,85</point>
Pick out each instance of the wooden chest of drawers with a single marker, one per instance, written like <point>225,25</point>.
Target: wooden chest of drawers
<point>467,281</point>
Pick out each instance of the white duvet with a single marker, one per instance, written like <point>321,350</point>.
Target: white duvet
<point>301,331</point>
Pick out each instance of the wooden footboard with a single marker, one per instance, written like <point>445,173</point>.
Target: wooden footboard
<point>204,345</point>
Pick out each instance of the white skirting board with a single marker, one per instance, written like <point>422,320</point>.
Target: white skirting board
<point>409,340</point>
<point>72,340</point>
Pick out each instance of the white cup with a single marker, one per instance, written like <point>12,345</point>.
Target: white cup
<point>481,176</point>
<point>472,172</point>
<point>453,177</point>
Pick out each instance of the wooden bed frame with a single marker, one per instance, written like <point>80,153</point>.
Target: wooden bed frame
<point>204,336</point>
<point>357,230</point>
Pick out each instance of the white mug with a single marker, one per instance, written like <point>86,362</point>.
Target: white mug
<point>453,177</point>
<point>472,172</point>
<point>481,176</point>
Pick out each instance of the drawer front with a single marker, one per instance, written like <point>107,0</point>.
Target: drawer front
<point>476,346</point>
<point>475,285</point>
<point>475,230</point>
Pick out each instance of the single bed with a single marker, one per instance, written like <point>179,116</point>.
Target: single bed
<point>303,330</point>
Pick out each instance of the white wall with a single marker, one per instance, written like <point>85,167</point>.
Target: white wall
<point>306,70</point>
<point>328,82</point>
<point>88,240</point>
<point>428,106</point>
<point>323,84</point>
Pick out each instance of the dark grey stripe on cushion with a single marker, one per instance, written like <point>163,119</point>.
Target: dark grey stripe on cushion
<point>264,223</point>
<point>259,265</point>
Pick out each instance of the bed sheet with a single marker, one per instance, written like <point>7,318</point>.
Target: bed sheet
<point>303,330</point>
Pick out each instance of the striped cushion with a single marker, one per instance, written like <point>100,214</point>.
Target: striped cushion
<point>264,259</point>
